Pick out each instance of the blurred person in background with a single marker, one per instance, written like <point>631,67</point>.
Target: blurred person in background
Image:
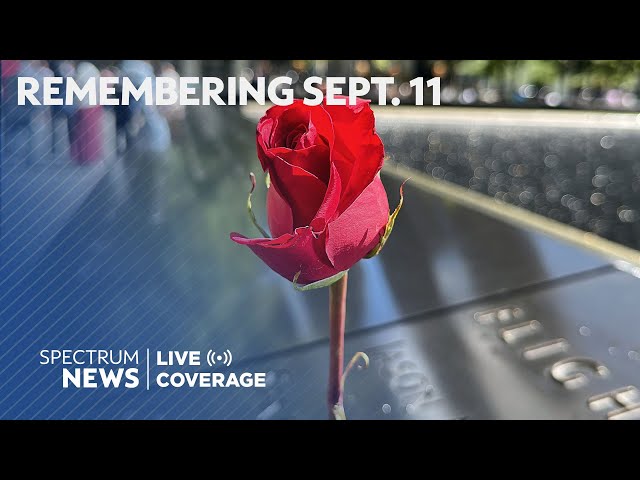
<point>41,124</point>
<point>26,128</point>
<point>16,119</point>
<point>148,139</point>
<point>176,113</point>
<point>61,114</point>
<point>86,129</point>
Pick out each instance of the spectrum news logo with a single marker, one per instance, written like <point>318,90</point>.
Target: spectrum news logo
<point>97,368</point>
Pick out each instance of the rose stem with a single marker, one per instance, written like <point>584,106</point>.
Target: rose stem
<point>337,316</point>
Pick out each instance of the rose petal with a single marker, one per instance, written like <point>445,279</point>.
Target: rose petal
<point>302,190</point>
<point>266,130</point>
<point>321,123</point>
<point>331,198</point>
<point>290,120</point>
<point>294,136</point>
<point>310,137</point>
<point>357,230</point>
<point>279,214</point>
<point>360,103</point>
<point>300,252</point>
<point>265,159</point>
<point>357,150</point>
<point>314,159</point>
<point>277,123</point>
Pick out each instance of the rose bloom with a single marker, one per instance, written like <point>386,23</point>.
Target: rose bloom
<point>326,206</point>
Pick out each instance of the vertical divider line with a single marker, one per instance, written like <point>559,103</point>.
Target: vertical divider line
<point>147,369</point>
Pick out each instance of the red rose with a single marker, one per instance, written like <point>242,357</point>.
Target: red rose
<point>326,206</point>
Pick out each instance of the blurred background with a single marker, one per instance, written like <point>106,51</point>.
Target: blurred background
<point>561,169</point>
<point>584,84</point>
<point>115,220</point>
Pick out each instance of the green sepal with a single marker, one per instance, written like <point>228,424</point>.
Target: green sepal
<point>319,284</point>
<point>390,224</point>
<point>263,232</point>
